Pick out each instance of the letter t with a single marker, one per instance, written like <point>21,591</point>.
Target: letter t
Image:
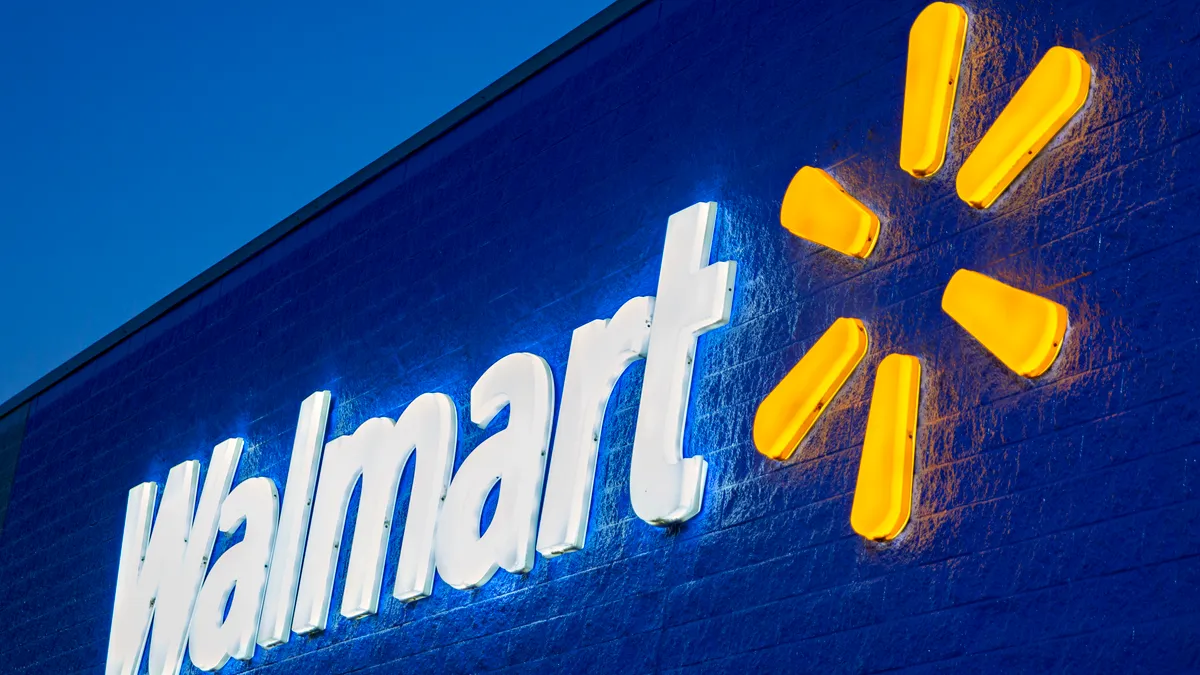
<point>693,298</point>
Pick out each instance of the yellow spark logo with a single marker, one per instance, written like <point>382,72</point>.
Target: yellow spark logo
<point>1022,330</point>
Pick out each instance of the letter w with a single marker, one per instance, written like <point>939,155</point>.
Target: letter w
<point>162,567</point>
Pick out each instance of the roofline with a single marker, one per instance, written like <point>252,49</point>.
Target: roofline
<point>465,110</point>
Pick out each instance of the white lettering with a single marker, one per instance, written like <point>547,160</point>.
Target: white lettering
<point>280,576</point>
<point>148,559</point>
<point>275,626</point>
<point>241,570</point>
<point>600,352</point>
<point>377,451</point>
<point>693,297</point>
<point>162,590</point>
<point>516,457</point>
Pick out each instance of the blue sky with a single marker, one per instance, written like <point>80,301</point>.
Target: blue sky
<point>141,143</point>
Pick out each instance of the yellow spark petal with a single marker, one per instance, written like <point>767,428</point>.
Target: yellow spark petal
<point>1049,97</point>
<point>935,48</point>
<point>787,413</point>
<point>816,208</point>
<point>1023,330</point>
<point>883,496</point>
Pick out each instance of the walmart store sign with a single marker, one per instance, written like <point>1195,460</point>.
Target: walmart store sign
<point>279,578</point>
<point>281,574</point>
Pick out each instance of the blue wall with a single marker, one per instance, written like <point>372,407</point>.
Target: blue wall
<point>1055,519</point>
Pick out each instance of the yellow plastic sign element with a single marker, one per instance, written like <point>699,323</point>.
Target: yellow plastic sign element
<point>883,495</point>
<point>935,49</point>
<point>1049,97</point>
<point>816,208</point>
<point>1023,330</point>
<point>787,414</point>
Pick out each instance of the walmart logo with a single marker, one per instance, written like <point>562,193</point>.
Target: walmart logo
<point>278,580</point>
<point>1024,331</point>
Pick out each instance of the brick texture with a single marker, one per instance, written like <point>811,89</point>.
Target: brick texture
<point>12,430</point>
<point>1054,521</point>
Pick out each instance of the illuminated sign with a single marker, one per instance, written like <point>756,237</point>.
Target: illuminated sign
<point>1024,331</point>
<point>279,578</point>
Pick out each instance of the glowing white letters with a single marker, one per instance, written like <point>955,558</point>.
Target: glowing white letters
<point>378,451</point>
<point>516,457</point>
<point>241,570</point>
<point>281,574</point>
<point>693,297</point>
<point>162,586</point>
<point>176,600</point>
<point>275,626</point>
<point>600,352</point>
<point>149,560</point>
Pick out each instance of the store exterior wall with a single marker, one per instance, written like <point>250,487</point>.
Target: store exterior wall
<point>12,430</point>
<point>1053,519</point>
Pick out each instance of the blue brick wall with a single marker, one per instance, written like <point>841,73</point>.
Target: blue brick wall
<point>1054,522</point>
<point>12,432</point>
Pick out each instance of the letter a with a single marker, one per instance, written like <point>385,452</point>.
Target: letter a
<point>516,457</point>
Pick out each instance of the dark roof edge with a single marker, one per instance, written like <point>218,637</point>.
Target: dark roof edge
<point>511,80</point>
